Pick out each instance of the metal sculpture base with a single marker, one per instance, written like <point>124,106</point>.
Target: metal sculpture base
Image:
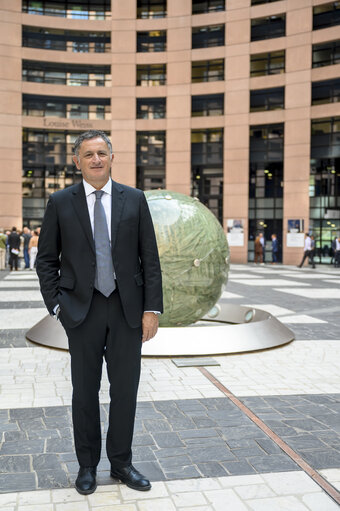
<point>228,328</point>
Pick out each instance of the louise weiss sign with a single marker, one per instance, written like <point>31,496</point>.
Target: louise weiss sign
<point>68,124</point>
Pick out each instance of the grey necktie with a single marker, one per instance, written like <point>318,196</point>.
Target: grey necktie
<point>104,281</point>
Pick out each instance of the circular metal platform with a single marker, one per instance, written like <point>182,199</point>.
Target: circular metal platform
<point>228,329</point>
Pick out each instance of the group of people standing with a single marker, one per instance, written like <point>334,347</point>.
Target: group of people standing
<point>260,245</point>
<point>16,244</point>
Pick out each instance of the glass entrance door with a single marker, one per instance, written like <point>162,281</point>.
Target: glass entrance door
<point>325,231</point>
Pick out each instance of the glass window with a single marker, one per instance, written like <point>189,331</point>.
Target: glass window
<point>54,106</point>
<point>83,9</point>
<point>266,143</point>
<point>327,91</point>
<point>207,146</point>
<point>151,9</point>
<point>151,74</point>
<point>268,27</point>
<point>326,15</point>
<point>326,54</point>
<point>66,40</point>
<point>154,40</point>
<point>206,37</point>
<point>267,99</point>
<point>326,138</point>
<point>207,70</point>
<point>267,63</point>
<point>207,168</point>
<point>66,74</point>
<point>150,159</point>
<point>265,186</point>
<point>206,105</point>
<point>258,2</point>
<point>203,6</point>
<point>324,185</point>
<point>151,108</point>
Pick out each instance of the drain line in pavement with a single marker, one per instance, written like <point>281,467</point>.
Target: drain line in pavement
<point>325,485</point>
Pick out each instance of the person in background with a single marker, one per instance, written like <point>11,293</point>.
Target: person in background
<point>3,241</point>
<point>26,234</point>
<point>13,242</point>
<point>307,250</point>
<point>333,248</point>
<point>275,248</point>
<point>33,248</point>
<point>263,243</point>
<point>337,253</point>
<point>258,251</point>
<point>312,252</point>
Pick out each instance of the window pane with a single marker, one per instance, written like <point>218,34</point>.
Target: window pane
<point>268,27</point>
<point>202,6</point>
<point>211,104</point>
<point>150,108</point>
<point>205,37</point>
<point>326,15</point>
<point>267,99</point>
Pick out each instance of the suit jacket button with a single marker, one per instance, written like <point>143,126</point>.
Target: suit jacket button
<point>91,286</point>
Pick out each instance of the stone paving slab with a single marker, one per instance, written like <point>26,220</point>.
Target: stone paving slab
<point>302,367</point>
<point>20,295</point>
<point>21,318</point>
<point>175,440</point>
<point>287,491</point>
<point>194,362</point>
<point>14,338</point>
<point>38,376</point>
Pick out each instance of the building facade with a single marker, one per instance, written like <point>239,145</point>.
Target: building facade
<point>235,102</point>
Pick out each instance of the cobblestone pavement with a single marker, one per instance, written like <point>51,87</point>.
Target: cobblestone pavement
<point>199,449</point>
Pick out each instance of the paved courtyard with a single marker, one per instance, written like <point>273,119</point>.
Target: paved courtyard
<point>257,431</point>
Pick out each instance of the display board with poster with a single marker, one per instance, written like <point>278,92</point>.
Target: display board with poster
<point>295,233</point>
<point>235,233</point>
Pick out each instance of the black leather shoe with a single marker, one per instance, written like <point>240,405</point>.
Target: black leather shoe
<point>132,478</point>
<point>86,480</point>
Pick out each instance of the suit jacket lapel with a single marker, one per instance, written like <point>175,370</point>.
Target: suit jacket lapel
<point>118,200</point>
<point>80,206</point>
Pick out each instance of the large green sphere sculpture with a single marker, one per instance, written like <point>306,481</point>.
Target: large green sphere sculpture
<point>194,256</point>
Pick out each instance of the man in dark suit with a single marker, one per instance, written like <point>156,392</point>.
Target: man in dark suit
<point>13,242</point>
<point>99,273</point>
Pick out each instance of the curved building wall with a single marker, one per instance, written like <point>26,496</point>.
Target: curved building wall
<point>177,126</point>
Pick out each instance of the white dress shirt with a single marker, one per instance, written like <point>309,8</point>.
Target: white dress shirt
<point>308,244</point>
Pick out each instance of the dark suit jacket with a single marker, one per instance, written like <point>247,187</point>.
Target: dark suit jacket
<point>66,261</point>
<point>13,240</point>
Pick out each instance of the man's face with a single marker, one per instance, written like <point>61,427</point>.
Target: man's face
<point>94,161</point>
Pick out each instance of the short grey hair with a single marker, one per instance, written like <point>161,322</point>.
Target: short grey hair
<point>88,135</point>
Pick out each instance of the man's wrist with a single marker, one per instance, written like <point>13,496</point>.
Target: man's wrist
<point>56,312</point>
<point>155,312</point>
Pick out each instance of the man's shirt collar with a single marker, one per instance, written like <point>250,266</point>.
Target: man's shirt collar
<point>90,189</point>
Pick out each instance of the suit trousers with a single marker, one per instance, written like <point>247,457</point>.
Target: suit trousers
<point>104,334</point>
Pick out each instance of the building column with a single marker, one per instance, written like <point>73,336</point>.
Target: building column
<point>297,126</point>
<point>236,131</point>
<point>10,118</point>
<point>178,108</point>
<point>123,96</point>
